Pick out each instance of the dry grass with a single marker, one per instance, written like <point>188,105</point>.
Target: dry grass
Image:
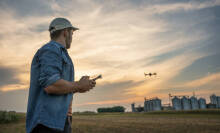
<point>147,123</point>
<point>16,127</point>
<point>159,122</point>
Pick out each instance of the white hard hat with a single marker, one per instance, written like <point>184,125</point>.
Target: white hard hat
<point>59,24</point>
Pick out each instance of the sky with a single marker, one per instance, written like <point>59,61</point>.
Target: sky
<point>120,39</point>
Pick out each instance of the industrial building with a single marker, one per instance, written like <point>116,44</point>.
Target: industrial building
<point>153,104</point>
<point>178,103</point>
<point>194,103</point>
<point>215,100</point>
<point>186,103</point>
<point>202,103</point>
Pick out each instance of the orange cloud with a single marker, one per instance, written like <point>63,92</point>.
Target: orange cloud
<point>130,100</point>
<point>24,83</point>
<point>210,79</point>
<point>14,87</point>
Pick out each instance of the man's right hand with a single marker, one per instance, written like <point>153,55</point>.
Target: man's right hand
<point>84,84</point>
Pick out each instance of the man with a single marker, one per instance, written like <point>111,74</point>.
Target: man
<point>52,83</point>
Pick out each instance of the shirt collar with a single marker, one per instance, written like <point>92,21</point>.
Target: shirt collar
<point>57,44</point>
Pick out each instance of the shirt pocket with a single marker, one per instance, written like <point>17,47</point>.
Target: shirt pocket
<point>66,72</point>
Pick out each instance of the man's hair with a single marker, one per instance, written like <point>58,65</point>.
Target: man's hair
<point>57,33</point>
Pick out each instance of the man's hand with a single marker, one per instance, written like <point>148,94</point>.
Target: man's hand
<point>85,84</point>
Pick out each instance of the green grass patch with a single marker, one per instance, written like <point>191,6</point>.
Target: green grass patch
<point>8,117</point>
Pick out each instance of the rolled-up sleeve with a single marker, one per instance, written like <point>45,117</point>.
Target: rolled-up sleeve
<point>50,62</point>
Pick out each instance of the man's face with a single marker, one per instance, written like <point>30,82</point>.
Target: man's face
<point>69,38</point>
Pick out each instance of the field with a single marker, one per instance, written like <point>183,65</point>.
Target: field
<point>205,121</point>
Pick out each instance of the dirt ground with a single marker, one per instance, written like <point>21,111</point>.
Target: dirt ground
<point>135,123</point>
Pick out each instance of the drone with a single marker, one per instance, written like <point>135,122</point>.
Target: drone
<point>149,74</point>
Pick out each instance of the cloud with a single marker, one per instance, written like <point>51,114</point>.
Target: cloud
<point>199,68</point>
<point>166,71</point>
<point>39,28</point>
<point>107,94</point>
<point>100,37</point>
<point>14,86</point>
<point>105,91</point>
<point>203,86</point>
<point>118,39</point>
<point>110,102</point>
<point>210,79</point>
<point>27,8</point>
<point>119,84</point>
<point>185,6</point>
<point>166,56</point>
<point>8,75</point>
<point>14,100</point>
<point>212,86</point>
<point>13,78</point>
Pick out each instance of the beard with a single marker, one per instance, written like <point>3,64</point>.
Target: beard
<point>67,44</point>
<point>68,41</point>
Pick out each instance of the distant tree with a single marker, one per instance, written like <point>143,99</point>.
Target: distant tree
<point>7,117</point>
<point>88,112</point>
<point>111,109</point>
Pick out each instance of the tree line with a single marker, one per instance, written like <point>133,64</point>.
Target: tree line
<point>111,109</point>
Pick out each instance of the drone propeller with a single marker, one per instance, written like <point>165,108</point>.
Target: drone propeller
<point>149,74</point>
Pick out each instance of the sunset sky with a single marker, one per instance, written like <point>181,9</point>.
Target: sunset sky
<point>120,39</point>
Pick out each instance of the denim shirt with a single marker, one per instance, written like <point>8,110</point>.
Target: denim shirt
<point>50,63</point>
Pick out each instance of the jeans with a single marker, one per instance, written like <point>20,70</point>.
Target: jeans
<point>43,129</point>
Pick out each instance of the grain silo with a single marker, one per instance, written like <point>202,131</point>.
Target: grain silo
<point>218,102</point>
<point>202,103</point>
<point>213,99</point>
<point>150,105</point>
<point>156,104</point>
<point>146,107</point>
<point>176,103</point>
<point>194,103</point>
<point>185,103</point>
